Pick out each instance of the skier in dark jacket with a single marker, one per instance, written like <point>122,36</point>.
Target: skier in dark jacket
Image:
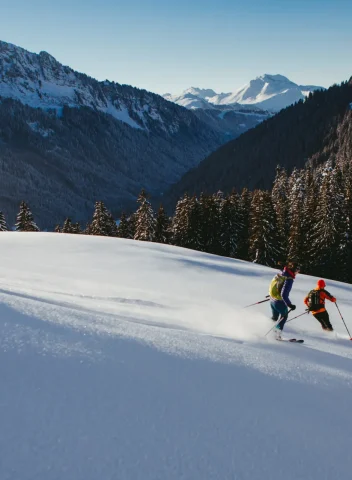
<point>279,291</point>
<point>315,301</point>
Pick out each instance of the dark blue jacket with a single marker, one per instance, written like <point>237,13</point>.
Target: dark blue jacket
<point>286,289</point>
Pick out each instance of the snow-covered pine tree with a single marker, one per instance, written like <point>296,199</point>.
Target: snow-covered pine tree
<point>180,222</point>
<point>340,211</point>
<point>132,222</point>
<point>208,220</point>
<point>76,228</point>
<point>111,224</point>
<point>57,229</point>
<point>145,221</point>
<point>3,225</point>
<point>307,216</point>
<point>345,274</point>
<point>323,231</point>
<point>88,229</point>
<point>327,234</point>
<point>296,238</point>
<point>67,226</point>
<point>279,195</point>
<point>264,245</point>
<point>25,221</point>
<point>101,224</point>
<point>230,228</point>
<point>124,227</point>
<point>162,227</point>
<point>244,208</point>
<point>186,224</point>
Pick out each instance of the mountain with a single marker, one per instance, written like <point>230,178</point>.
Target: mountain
<point>192,98</point>
<point>129,360</point>
<point>314,130</point>
<point>229,120</point>
<point>267,92</point>
<point>67,140</point>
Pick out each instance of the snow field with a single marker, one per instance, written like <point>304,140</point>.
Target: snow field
<point>130,360</point>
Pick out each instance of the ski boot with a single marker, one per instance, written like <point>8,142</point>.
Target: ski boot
<point>278,333</point>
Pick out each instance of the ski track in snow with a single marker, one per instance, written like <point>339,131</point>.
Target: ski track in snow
<point>122,359</point>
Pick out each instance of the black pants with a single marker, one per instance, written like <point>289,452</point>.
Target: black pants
<point>323,318</point>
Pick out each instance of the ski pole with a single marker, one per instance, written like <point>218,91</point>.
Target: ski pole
<point>343,321</point>
<point>290,320</point>
<point>257,303</point>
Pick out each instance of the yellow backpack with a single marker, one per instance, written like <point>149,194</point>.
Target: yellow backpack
<point>276,286</point>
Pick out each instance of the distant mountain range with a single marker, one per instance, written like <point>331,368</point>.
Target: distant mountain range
<point>268,92</point>
<point>67,140</point>
<point>312,132</point>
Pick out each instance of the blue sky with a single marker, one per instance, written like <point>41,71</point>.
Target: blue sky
<point>167,46</point>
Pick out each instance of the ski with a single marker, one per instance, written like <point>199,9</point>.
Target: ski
<point>292,340</point>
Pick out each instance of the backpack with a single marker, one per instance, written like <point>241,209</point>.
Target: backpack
<point>276,286</point>
<point>314,302</point>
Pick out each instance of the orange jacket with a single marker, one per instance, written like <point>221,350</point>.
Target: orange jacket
<point>323,296</point>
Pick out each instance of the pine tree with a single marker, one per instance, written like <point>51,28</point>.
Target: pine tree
<point>25,221</point>
<point>67,226</point>
<point>162,227</point>
<point>279,195</point>
<point>76,228</point>
<point>244,208</point>
<point>229,225</point>
<point>101,223</point>
<point>186,224</point>
<point>3,225</point>
<point>132,222</point>
<point>328,229</point>
<point>296,238</point>
<point>111,225</point>
<point>88,229</point>
<point>345,274</point>
<point>57,229</point>
<point>307,217</point>
<point>145,221</point>
<point>124,229</point>
<point>180,222</point>
<point>209,223</point>
<point>264,245</point>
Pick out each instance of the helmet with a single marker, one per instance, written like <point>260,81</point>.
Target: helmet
<point>321,283</point>
<point>293,266</point>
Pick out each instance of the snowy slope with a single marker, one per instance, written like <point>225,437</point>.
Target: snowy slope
<point>267,92</point>
<point>126,360</point>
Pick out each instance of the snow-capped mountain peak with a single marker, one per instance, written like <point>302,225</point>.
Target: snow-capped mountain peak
<point>204,93</point>
<point>268,92</point>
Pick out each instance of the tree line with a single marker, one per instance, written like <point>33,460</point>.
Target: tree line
<point>306,217</point>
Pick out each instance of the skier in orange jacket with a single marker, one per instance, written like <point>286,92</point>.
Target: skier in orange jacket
<point>315,301</point>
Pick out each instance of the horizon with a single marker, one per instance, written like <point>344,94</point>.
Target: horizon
<point>167,48</point>
<point>173,93</point>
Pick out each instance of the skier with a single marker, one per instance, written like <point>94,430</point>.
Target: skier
<point>279,291</point>
<point>315,301</point>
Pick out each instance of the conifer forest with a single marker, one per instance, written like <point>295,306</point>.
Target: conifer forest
<point>306,218</point>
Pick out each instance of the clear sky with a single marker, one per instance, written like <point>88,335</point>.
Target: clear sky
<point>168,45</point>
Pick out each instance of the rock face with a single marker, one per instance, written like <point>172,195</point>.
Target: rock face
<point>67,140</point>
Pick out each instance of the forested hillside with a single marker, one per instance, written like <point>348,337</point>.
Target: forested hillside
<point>309,131</point>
